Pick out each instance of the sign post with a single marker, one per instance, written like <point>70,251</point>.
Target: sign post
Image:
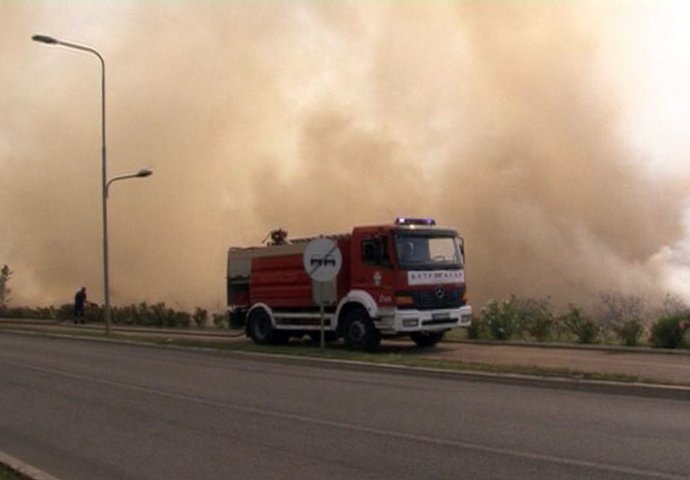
<point>322,261</point>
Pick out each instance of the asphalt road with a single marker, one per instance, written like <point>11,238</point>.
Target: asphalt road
<point>94,410</point>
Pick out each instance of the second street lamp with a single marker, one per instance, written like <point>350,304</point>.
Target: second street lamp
<point>144,172</point>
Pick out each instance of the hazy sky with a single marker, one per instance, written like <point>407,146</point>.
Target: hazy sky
<point>554,135</point>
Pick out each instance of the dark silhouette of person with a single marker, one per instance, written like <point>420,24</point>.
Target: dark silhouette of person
<point>79,303</point>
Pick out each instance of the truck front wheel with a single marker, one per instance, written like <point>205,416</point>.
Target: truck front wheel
<point>426,339</point>
<point>360,332</point>
<point>261,329</point>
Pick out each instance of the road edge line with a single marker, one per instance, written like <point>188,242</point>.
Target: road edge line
<point>638,389</point>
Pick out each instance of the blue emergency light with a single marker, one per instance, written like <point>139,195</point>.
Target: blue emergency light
<point>415,221</point>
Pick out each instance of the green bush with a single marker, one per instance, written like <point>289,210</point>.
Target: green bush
<point>617,312</point>
<point>534,316</point>
<point>500,318</point>
<point>6,473</point>
<point>584,328</point>
<point>65,312</point>
<point>200,317</point>
<point>167,317</point>
<point>95,313</point>
<point>630,332</point>
<point>220,320</point>
<point>145,315</point>
<point>33,313</point>
<point>141,314</point>
<point>478,329</point>
<point>506,319</point>
<point>669,330</point>
<point>133,315</point>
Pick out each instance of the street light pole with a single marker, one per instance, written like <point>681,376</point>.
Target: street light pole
<point>104,188</point>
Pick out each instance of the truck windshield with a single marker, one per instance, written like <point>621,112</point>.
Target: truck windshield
<point>427,252</point>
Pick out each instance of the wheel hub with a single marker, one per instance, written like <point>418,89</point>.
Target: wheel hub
<point>357,331</point>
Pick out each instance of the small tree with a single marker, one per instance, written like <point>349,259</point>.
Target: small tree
<point>534,315</point>
<point>630,332</point>
<point>5,274</point>
<point>220,320</point>
<point>669,331</point>
<point>200,317</point>
<point>584,328</point>
<point>622,314</point>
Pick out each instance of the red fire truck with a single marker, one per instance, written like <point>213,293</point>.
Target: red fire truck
<point>406,278</point>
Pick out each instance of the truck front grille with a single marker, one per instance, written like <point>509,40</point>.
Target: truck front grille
<point>438,297</point>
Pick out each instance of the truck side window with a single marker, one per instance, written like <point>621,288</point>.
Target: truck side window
<point>369,251</point>
<point>375,251</point>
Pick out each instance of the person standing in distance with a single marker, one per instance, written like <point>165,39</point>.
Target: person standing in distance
<point>79,302</point>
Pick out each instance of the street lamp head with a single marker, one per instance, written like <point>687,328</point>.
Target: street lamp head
<point>44,39</point>
<point>145,172</point>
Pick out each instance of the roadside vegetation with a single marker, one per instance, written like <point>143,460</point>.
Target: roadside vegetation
<point>142,314</point>
<point>5,274</point>
<point>616,319</point>
<point>6,473</point>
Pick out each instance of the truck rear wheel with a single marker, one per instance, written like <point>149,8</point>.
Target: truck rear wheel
<point>262,331</point>
<point>426,339</point>
<point>360,332</point>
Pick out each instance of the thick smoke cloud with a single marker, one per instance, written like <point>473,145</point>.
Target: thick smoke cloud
<point>500,118</point>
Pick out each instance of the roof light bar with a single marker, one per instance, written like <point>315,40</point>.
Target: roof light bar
<point>415,221</point>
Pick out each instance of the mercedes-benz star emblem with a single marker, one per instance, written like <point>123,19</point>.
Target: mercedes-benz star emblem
<point>440,292</point>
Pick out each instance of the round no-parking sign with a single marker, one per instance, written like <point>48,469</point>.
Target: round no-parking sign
<point>322,259</point>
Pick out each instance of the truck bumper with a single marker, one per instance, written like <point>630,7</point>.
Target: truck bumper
<point>395,321</point>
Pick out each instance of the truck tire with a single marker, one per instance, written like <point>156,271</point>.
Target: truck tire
<point>261,329</point>
<point>359,332</point>
<point>426,339</point>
